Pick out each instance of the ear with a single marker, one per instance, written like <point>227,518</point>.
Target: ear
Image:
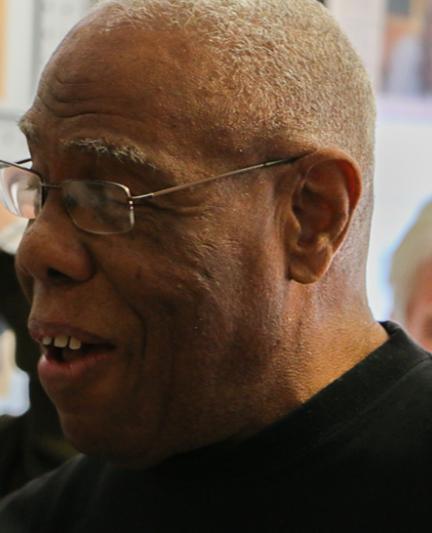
<point>322,204</point>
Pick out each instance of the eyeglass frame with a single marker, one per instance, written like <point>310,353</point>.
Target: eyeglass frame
<point>136,200</point>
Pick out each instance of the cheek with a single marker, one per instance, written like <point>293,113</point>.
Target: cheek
<point>176,268</point>
<point>182,307</point>
<point>190,292</point>
<point>201,268</point>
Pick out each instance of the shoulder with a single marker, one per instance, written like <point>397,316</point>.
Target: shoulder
<point>50,497</point>
<point>403,374</point>
<point>397,421</point>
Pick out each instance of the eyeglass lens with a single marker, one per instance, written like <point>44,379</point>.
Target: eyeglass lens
<point>21,191</point>
<point>97,207</point>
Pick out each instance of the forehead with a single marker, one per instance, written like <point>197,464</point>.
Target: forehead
<point>140,83</point>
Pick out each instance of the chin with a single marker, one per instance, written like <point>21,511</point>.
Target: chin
<point>111,444</point>
<point>86,438</point>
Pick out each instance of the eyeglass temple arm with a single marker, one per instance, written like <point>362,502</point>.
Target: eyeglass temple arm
<point>151,195</point>
<point>4,164</point>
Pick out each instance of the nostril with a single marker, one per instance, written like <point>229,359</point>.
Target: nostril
<point>51,251</point>
<point>56,275</point>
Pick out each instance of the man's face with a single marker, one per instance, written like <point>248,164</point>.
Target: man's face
<point>419,309</point>
<point>174,315</point>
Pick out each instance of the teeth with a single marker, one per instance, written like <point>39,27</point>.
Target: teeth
<point>61,341</point>
<point>74,344</point>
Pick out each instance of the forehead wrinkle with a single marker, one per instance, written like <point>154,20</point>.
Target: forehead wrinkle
<point>123,153</point>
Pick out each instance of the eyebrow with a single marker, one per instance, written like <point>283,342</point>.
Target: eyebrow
<point>119,151</point>
<point>124,153</point>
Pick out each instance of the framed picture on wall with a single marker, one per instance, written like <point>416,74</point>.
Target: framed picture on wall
<point>394,39</point>
<point>16,54</point>
<point>406,68</point>
<point>407,57</point>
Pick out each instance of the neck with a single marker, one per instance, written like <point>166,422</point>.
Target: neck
<point>319,343</point>
<point>333,338</point>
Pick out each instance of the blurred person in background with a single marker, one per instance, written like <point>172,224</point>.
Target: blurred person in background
<point>32,443</point>
<point>411,279</point>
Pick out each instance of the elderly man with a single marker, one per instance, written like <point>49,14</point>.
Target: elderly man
<point>411,279</point>
<point>200,198</point>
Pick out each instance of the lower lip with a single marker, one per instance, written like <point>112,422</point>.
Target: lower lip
<point>54,374</point>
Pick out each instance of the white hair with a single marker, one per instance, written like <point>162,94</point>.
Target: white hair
<point>413,251</point>
<point>101,147</point>
<point>287,60</point>
<point>281,68</point>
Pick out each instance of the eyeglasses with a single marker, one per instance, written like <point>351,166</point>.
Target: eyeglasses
<point>100,207</point>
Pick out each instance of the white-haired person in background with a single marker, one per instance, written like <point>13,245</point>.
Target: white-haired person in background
<point>411,279</point>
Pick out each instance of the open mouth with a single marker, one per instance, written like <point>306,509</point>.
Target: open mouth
<point>68,349</point>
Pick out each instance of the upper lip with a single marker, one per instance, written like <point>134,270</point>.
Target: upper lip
<point>40,329</point>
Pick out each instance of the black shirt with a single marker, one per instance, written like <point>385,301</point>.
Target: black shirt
<point>356,457</point>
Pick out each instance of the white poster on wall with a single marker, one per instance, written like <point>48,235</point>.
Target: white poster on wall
<point>16,53</point>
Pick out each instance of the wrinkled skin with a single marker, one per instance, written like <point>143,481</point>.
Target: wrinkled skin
<point>191,297</point>
<point>213,302</point>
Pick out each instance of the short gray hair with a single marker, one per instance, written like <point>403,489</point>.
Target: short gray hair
<point>414,250</point>
<point>284,69</point>
<point>296,69</point>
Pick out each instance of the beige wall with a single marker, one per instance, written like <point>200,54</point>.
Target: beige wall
<point>2,47</point>
<point>364,22</point>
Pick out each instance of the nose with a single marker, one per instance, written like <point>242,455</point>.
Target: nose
<point>52,250</point>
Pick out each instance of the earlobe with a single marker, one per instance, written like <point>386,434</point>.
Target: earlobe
<point>322,205</point>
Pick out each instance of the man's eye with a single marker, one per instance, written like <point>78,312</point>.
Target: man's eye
<point>69,202</point>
